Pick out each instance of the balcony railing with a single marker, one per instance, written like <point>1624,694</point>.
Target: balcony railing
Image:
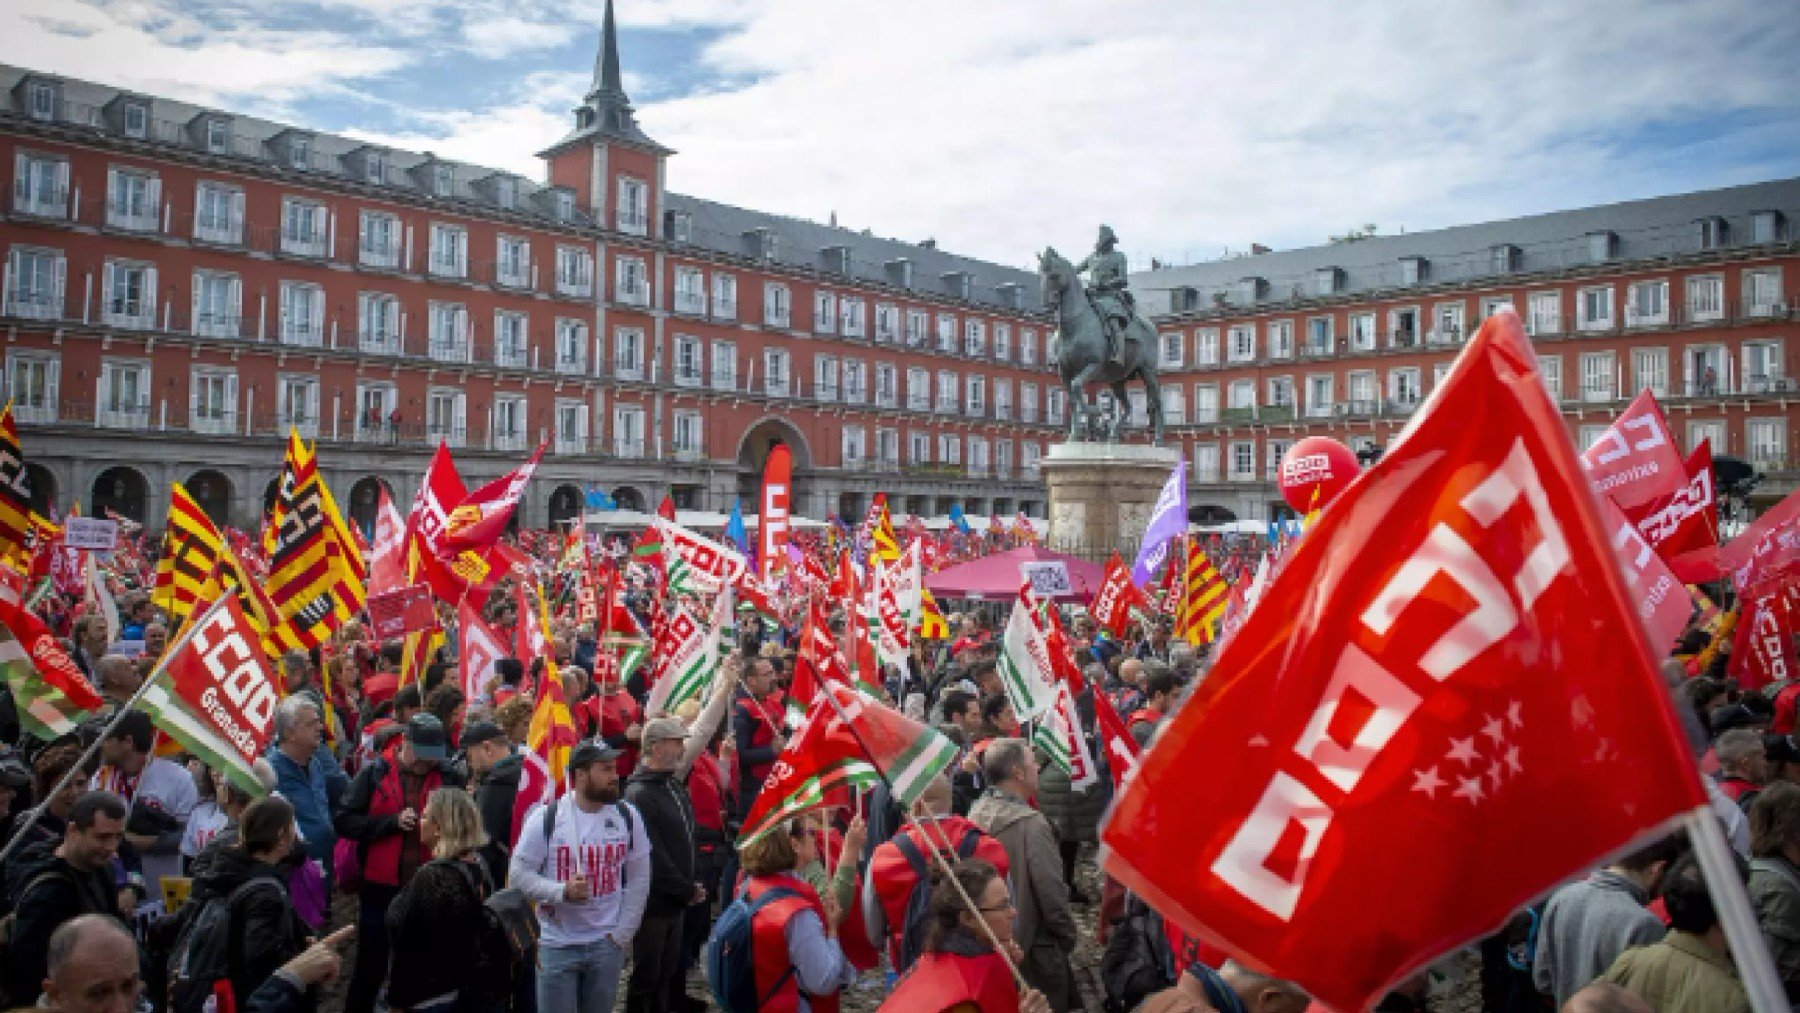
<point>303,245</point>
<point>510,355</point>
<point>571,365</point>
<point>1237,415</point>
<point>379,343</point>
<point>628,448</point>
<point>125,215</point>
<point>382,258</point>
<point>570,443</point>
<point>513,440</point>
<point>124,416</point>
<point>214,422</point>
<point>40,201</point>
<point>689,455</point>
<point>449,350</point>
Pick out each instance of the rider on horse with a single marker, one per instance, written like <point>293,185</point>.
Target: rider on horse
<point>1106,290</point>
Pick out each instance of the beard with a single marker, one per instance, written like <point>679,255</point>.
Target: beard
<point>600,796</point>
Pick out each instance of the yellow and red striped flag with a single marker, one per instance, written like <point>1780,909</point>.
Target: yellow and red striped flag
<point>1205,595</point>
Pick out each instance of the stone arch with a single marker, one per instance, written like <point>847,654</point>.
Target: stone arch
<point>850,505</point>
<point>212,491</point>
<point>43,487</point>
<point>123,490</point>
<point>566,503</point>
<point>365,503</point>
<point>629,498</point>
<point>270,491</point>
<point>753,457</point>
<point>1208,513</point>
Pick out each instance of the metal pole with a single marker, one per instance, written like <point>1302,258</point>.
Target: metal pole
<point>1719,865</point>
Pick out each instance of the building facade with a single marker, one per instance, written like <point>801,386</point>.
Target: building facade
<point>182,286</point>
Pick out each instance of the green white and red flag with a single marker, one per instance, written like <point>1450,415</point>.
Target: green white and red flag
<point>849,740</point>
<point>51,695</point>
<point>215,693</point>
<point>687,655</point>
<point>697,564</point>
<point>817,664</point>
<point>1059,736</point>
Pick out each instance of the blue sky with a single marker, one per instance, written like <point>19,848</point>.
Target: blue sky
<point>1194,128</point>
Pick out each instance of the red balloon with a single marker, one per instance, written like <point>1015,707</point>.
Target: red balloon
<point>1314,471</point>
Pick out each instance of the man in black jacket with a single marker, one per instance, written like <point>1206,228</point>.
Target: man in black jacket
<point>661,798</point>
<point>495,770</point>
<point>75,880</point>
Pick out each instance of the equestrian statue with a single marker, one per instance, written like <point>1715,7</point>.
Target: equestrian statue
<point>1100,337</point>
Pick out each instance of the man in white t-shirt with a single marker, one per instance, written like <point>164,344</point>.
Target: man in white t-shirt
<point>589,873</point>
<point>159,796</point>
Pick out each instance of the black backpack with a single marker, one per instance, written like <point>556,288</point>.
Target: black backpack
<point>209,948</point>
<point>1138,961</point>
<point>918,903</point>
<point>506,940</point>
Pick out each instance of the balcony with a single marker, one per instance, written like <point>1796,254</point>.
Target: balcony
<point>1764,384</point>
<point>221,422</point>
<point>1321,409</point>
<point>507,439</point>
<point>1764,309</point>
<point>513,274</point>
<point>918,403</point>
<point>576,286</point>
<point>125,416</point>
<point>725,381</point>
<point>1002,413</point>
<point>135,314</point>
<point>690,303</point>
<point>453,434</point>
<point>689,454</point>
<point>571,365</point>
<point>885,399</point>
<point>628,447</point>
<point>1206,474</point>
<point>1243,476</point>
<point>1598,393</point>
<point>629,370</point>
<point>1768,461</point>
<point>379,343</point>
<point>687,376</point>
<point>1400,406</point>
<point>1276,413</point>
<point>1403,338</point>
<point>40,201</point>
<point>1233,416</point>
<point>825,392</point>
<point>632,221</point>
<point>130,216</point>
<point>724,309</point>
<point>218,325</point>
<point>1635,320</point>
<point>975,410</point>
<point>1359,407</point>
<point>303,245</point>
<point>570,443</point>
<point>34,305</point>
<point>449,350</point>
<point>1442,336</point>
<point>510,354</point>
<point>776,387</point>
<point>381,258</point>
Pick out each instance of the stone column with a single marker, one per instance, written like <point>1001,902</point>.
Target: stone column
<point>1101,494</point>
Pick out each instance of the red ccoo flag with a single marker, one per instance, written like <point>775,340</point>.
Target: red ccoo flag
<point>1446,667</point>
<point>1118,595</point>
<point>1635,460</point>
<point>772,522</point>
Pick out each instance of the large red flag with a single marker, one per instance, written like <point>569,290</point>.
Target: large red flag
<point>772,516</point>
<point>482,516</point>
<point>1763,650</point>
<point>1688,520</point>
<point>1118,595</point>
<point>1446,668</point>
<point>1635,460</point>
<point>387,557</point>
<point>1120,748</point>
<point>1662,603</point>
<point>439,492</point>
<point>477,648</point>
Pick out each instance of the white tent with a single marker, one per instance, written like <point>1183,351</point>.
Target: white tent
<point>1232,528</point>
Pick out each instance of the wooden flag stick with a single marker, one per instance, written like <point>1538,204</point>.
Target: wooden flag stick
<point>1748,949</point>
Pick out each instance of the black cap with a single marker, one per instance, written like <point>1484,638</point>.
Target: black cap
<point>1780,749</point>
<point>1729,716</point>
<point>477,732</point>
<point>589,753</point>
<point>13,773</point>
<point>425,734</point>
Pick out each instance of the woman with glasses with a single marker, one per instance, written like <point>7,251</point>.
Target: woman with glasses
<point>961,972</point>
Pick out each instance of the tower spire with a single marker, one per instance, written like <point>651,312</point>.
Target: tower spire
<point>607,80</point>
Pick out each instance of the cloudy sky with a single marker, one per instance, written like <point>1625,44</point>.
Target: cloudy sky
<point>1192,126</point>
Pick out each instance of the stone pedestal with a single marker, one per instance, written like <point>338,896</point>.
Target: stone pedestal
<point>1101,494</point>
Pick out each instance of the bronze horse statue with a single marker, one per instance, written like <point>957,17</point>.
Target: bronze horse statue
<point>1082,352</point>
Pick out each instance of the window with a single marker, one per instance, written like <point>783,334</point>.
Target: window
<point>1598,377</point>
<point>887,322</point>
<point>1206,404</point>
<point>1028,342</point>
<point>511,343</point>
<point>1594,308</point>
<point>1766,227</point>
<point>1174,405</point>
<point>687,361</point>
<point>690,291</point>
<point>443,180</point>
<point>1403,327</point>
<point>565,206</point>
<point>1446,324</point>
<point>634,206</point>
<point>219,214</point>
<point>1360,391</point>
<point>887,383</point>
<point>124,394</point>
<point>36,281</point>
<point>375,167</point>
<point>628,353</point>
<point>887,448</point>
<point>379,240</point>
<point>1281,339</point>
<point>947,389</point>
<point>40,186</point>
<point>1028,402</point>
<point>824,312</point>
<point>1712,233</point>
<point>1242,394</point>
<point>32,379</point>
<point>574,271</point>
<point>1273,451</point>
<point>690,443</point>
<point>1762,367</point>
<point>1362,332</point>
<point>1003,399</point>
<point>1318,336</point>
<point>1650,370</point>
<point>571,346</point>
<point>974,338</point>
<point>975,396</point>
<point>946,333</point>
<point>918,447</point>
<point>1544,316</point>
<point>507,430</point>
<point>825,377</point>
<point>915,328</point>
<point>446,416</point>
<point>218,137</point>
<point>724,365</point>
<point>1243,343</point>
<point>1439,370</point>
<point>1169,350</point>
<point>1206,462</point>
<point>853,447</point>
<point>1647,303</point>
<point>1206,346</point>
<point>1403,387</point>
<point>850,317</point>
<point>1762,292</point>
<point>630,283</point>
<point>1319,395</point>
<point>1281,392</point>
<point>133,200</point>
<point>448,340</point>
<point>856,381</point>
<point>1705,298</point>
<point>918,389</point>
<point>42,99</point>
<point>775,372</point>
<point>1711,431</point>
<point>128,294</point>
<point>1243,460</point>
<point>506,192</point>
<point>1053,405</point>
<point>449,251</point>
<point>1550,369</point>
<point>378,323</point>
<point>297,404</point>
<point>1002,342</point>
<point>571,426</point>
<point>978,455</point>
<point>1028,458</point>
<point>1491,304</point>
<point>724,296</point>
<point>300,153</point>
<point>776,309</point>
<point>303,227</point>
<point>217,304</point>
<point>1767,442</point>
<point>512,264</point>
<point>949,448</point>
<point>213,399</point>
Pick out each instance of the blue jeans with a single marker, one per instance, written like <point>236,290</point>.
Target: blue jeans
<point>578,979</point>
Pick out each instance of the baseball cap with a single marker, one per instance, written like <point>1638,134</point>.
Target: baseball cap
<point>591,752</point>
<point>425,733</point>
<point>1731,716</point>
<point>481,731</point>
<point>659,729</point>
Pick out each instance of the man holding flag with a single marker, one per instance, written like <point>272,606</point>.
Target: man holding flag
<point>1044,925</point>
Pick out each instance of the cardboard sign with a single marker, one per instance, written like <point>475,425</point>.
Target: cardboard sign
<point>94,533</point>
<point>399,612</point>
<point>1048,578</point>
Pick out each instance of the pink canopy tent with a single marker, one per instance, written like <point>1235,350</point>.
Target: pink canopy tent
<point>997,578</point>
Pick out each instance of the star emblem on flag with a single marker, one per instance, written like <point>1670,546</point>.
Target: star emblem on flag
<point>1487,757</point>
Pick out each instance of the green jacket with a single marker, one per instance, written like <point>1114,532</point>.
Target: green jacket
<point>1775,893</point>
<point>1681,974</point>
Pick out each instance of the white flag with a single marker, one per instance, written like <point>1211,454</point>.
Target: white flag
<point>1024,665</point>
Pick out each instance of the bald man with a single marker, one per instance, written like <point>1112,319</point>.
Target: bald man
<point>1606,997</point>
<point>93,967</point>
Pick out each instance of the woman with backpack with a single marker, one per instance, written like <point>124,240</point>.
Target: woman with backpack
<point>960,969</point>
<point>435,924</point>
<point>249,874</point>
<point>795,960</point>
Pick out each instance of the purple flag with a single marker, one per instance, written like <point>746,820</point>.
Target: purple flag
<point>1167,520</point>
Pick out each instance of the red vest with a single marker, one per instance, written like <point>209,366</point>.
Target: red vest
<point>706,790</point>
<point>1148,714</point>
<point>1785,709</point>
<point>893,878</point>
<point>381,860</point>
<point>768,945</point>
<point>1735,788</point>
<point>943,981</point>
<point>617,712</point>
<point>755,773</point>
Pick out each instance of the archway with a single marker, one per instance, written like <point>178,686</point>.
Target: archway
<point>43,488</point>
<point>212,491</point>
<point>272,490</point>
<point>565,505</point>
<point>629,498</point>
<point>753,452</point>
<point>122,490</point>
<point>850,507</point>
<point>365,504</point>
<point>1207,513</point>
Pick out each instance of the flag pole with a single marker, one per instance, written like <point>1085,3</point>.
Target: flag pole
<point>943,862</point>
<point>37,811</point>
<point>1742,934</point>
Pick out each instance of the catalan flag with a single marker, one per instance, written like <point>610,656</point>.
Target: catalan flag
<point>15,487</point>
<point>1204,598</point>
<point>932,624</point>
<point>191,549</point>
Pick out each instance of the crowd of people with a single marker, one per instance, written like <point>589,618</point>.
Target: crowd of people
<point>391,820</point>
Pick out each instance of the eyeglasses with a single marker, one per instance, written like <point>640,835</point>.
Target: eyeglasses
<point>1006,905</point>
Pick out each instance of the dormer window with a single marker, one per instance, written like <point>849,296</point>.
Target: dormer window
<point>1712,233</point>
<point>507,192</point>
<point>680,226</point>
<point>1601,246</point>
<point>137,120</point>
<point>300,153</point>
<point>218,139</point>
<point>900,272</point>
<point>1505,258</point>
<point>375,167</point>
<point>1327,280</point>
<point>1250,289</point>
<point>565,206</point>
<point>443,180</point>
<point>1766,227</point>
<point>1412,270</point>
<point>42,104</point>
